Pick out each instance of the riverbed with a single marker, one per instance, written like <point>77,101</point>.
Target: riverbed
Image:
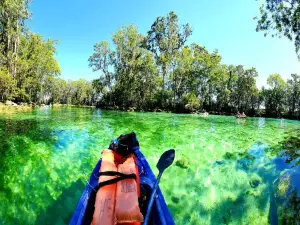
<point>223,172</point>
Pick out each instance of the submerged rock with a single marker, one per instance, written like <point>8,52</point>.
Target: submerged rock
<point>243,164</point>
<point>252,193</point>
<point>229,155</point>
<point>255,181</point>
<point>219,162</point>
<point>175,199</point>
<point>182,163</point>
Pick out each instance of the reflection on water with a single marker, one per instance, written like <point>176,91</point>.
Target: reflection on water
<point>261,123</point>
<point>227,170</point>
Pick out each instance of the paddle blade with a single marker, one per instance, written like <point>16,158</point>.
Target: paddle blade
<point>166,159</point>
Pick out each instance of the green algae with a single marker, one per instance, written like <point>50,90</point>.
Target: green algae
<point>48,154</point>
<point>182,163</point>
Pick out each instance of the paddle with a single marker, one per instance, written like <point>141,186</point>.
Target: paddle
<point>166,159</point>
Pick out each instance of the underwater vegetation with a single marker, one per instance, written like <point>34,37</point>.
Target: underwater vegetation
<point>225,172</point>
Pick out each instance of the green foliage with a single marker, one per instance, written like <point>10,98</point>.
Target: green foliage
<point>163,98</point>
<point>165,39</point>
<point>293,95</point>
<point>7,85</point>
<point>81,92</point>
<point>291,146</point>
<point>13,14</point>
<point>35,65</point>
<point>281,18</point>
<point>191,103</point>
<point>128,74</point>
<point>27,59</point>
<point>182,162</point>
<point>245,87</point>
<point>156,71</point>
<point>54,90</point>
<point>159,71</point>
<point>102,59</point>
<point>129,64</point>
<point>275,97</point>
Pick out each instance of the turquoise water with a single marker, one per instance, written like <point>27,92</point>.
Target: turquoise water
<point>224,170</point>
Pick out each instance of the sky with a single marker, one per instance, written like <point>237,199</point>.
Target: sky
<point>225,25</point>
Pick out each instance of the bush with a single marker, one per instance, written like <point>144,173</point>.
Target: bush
<point>190,102</point>
<point>163,99</point>
<point>7,85</point>
<point>20,95</point>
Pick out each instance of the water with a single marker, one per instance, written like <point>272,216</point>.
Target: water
<point>229,168</point>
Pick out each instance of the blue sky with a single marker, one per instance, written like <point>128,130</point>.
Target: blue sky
<point>226,25</point>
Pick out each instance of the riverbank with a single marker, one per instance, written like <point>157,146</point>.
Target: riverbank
<point>10,106</point>
<point>261,114</point>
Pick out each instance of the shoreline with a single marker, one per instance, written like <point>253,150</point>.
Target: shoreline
<point>30,106</point>
<point>199,113</point>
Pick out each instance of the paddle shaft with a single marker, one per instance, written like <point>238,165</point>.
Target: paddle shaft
<point>152,199</point>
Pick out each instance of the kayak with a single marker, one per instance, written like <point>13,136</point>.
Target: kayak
<point>160,214</point>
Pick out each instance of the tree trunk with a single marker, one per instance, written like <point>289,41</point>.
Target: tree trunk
<point>174,83</point>
<point>164,71</point>
<point>164,75</point>
<point>293,104</point>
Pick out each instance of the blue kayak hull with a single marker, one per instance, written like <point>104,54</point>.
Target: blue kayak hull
<point>160,214</point>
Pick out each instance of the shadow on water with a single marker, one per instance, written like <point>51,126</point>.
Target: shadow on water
<point>30,128</point>
<point>60,212</point>
<point>278,168</point>
<point>229,210</point>
<point>38,167</point>
<point>284,180</point>
<point>16,138</point>
<point>291,147</point>
<point>224,212</point>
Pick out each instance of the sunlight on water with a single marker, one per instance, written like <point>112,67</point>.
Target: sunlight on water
<point>223,174</point>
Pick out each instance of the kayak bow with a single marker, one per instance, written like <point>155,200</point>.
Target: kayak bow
<point>160,214</point>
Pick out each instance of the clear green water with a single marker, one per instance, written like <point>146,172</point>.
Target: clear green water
<point>46,157</point>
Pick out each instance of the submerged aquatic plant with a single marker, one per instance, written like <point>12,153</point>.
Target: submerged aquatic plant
<point>291,147</point>
<point>46,156</point>
<point>287,188</point>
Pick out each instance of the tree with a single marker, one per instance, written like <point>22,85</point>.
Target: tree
<point>190,102</point>
<point>81,92</point>
<point>219,81</point>
<point>281,18</point>
<point>165,39</point>
<point>36,62</point>
<point>13,14</point>
<point>103,59</point>
<point>204,74</point>
<point>148,81</point>
<point>7,85</point>
<point>245,90</point>
<point>54,90</point>
<point>293,92</point>
<point>275,97</point>
<point>98,92</point>
<point>182,75</point>
<point>134,67</point>
<point>128,61</point>
<point>160,71</point>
